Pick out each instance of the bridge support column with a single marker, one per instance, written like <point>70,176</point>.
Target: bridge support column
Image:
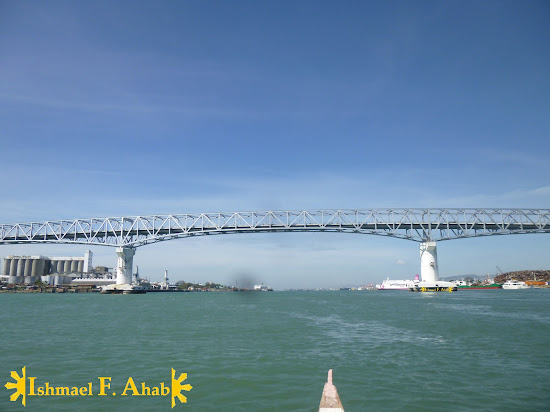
<point>429,270</point>
<point>124,265</point>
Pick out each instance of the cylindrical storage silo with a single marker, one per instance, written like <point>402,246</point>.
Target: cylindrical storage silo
<point>28,280</point>
<point>20,267</point>
<point>59,266</point>
<point>12,279</point>
<point>28,267</point>
<point>34,267</point>
<point>67,268</point>
<point>6,267</point>
<point>80,268</point>
<point>13,267</point>
<point>37,269</point>
<point>74,266</point>
<point>43,267</point>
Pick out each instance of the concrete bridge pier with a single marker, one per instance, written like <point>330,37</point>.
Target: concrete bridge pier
<point>124,265</point>
<point>429,270</point>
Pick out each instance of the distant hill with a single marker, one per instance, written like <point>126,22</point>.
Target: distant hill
<point>461,277</point>
<point>524,275</point>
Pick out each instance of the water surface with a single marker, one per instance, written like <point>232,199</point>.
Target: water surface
<point>395,351</point>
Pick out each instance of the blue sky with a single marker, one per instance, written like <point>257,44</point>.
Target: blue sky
<point>133,108</point>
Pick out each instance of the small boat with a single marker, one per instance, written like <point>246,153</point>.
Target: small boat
<point>514,284</point>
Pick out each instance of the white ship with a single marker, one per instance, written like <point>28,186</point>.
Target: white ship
<point>514,284</point>
<point>263,288</point>
<point>125,289</point>
<point>389,284</point>
<point>436,286</point>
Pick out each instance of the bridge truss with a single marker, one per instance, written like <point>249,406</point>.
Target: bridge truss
<point>420,225</point>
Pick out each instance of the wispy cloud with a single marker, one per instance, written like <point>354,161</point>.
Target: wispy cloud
<point>78,104</point>
<point>538,197</point>
<point>541,191</point>
<point>508,157</point>
<point>125,194</point>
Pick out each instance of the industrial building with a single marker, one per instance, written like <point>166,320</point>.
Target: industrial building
<point>51,270</point>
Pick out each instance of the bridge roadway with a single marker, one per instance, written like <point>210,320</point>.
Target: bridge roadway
<point>421,225</point>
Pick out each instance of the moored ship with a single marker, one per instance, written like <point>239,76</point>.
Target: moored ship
<point>480,287</point>
<point>437,286</point>
<point>125,289</point>
<point>389,284</point>
<point>263,288</point>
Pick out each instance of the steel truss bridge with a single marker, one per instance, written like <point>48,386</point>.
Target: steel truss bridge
<point>420,225</point>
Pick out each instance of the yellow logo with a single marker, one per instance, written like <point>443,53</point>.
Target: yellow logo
<point>19,386</point>
<point>130,388</point>
<point>177,387</point>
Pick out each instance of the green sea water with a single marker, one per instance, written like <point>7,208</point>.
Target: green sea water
<point>390,351</point>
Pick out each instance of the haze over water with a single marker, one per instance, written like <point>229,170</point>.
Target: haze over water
<point>469,350</point>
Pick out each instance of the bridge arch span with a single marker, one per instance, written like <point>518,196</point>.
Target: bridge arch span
<point>420,225</point>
